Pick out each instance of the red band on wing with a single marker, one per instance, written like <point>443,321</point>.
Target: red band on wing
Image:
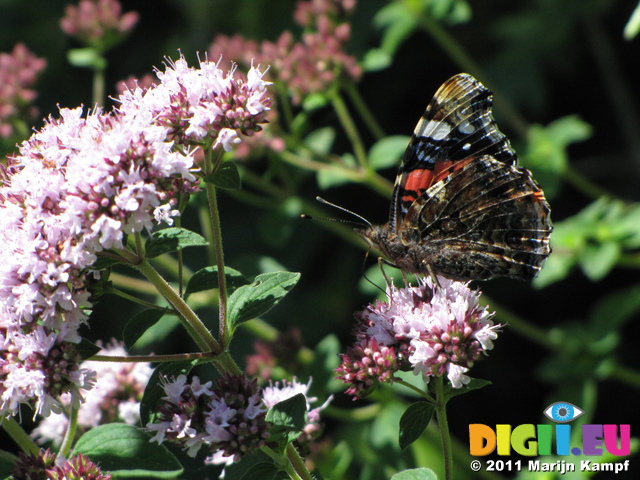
<point>416,182</point>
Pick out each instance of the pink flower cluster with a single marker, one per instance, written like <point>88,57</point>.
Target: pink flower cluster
<point>75,189</point>
<point>311,64</point>
<point>98,22</point>
<point>434,330</point>
<point>18,71</point>
<point>228,420</point>
<point>115,397</point>
<point>46,465</point>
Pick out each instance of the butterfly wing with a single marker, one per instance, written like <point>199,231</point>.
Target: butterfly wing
<point>456,125</point>
<point>482,220</point>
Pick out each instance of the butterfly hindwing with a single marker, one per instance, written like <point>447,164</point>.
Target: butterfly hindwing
<point>488,219</point>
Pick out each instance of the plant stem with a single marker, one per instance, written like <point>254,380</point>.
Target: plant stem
<point>98,86</point>
<point>297,463</point>
<point>17,433</point>
<point>443,424</point>
<point>363,110</point>
<point>350,128</point>
<point>188,318</point>
<point>70,434</point>
<point>214,216</point>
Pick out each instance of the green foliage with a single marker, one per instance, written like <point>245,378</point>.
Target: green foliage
<point>416,474</point>
<point>172,239</point>
<point>226,176</point>
<point>139,324</point>
<point>594,239</point>
<point>251,301</point>
<point>126,452</point>
<point>546,152</point>
<point>288,418</point>
<point>414,421</point>
<point>207,278</point>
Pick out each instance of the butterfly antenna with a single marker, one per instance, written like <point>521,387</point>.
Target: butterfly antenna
<point>365,222</point>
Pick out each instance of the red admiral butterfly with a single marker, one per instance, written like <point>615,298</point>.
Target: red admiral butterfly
<point>461,208</point>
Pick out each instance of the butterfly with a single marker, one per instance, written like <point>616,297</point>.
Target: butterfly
<point>461,207</point>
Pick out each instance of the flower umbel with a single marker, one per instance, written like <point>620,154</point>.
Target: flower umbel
<point>229,418</point>
<point>115,397</point>
<point>45,466</point>
<point>432,330</point>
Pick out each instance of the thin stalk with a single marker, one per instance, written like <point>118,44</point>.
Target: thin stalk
<point>223,361</point>
<point>70,434</point>
<point>282,462</point>
<point>188,318</point>
<point>363,111</point>
<point>18,435</point>
<point>350,128</point>
<point>214,216</point>
<point>422,393</point>
<point>443,424</point>
<point>297,463</point>
<point>98,86</point>
<point>133,299</point>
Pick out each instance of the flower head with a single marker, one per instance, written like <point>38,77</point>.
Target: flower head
<point>115,397</point>
<point>433,330</point>
<point>46,466</point>
<point>229,418</point>
<point>98,23</point>
<point>18,71</point>
<point>202,106</point>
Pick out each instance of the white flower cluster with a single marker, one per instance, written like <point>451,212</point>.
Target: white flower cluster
<point>76,188</point>
<point>444,327</point>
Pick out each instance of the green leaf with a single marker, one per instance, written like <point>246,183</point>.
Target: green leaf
<point>264,471</point>
<point>226,176</point>
<point>103,262</point>
<point>289,417</point>
<point>599,258</point>
<point>6,467</point>
<point>386,153</point>
<point>376,59</point>
<point>398,23</point>
<point>87,349</point>
<point>207,279</point>
<point>474,384</point>
<point>172,239</point>
<point>416,474</point>
<point>86,58</point>
<point>632,27</point>
<point>140,323</point>
<point>154,391</point>
<point>251,301</point>
<point>336,175</point>
<point>315,101</point>
<point>321,140</point>
<point>546,152</point>
<point>125,451</point>
<point>414,421</point>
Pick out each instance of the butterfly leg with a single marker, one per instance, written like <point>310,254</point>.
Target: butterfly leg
<point>434,276</point>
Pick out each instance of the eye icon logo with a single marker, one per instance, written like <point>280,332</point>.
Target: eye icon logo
<point>562,412</point>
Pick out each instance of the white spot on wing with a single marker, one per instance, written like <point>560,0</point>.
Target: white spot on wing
<point>432,129</point>
<point>466,128</point>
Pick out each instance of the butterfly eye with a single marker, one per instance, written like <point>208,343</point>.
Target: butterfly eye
<point>562,412</point>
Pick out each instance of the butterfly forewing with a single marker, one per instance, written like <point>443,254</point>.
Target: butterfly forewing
<point>457,124</point>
